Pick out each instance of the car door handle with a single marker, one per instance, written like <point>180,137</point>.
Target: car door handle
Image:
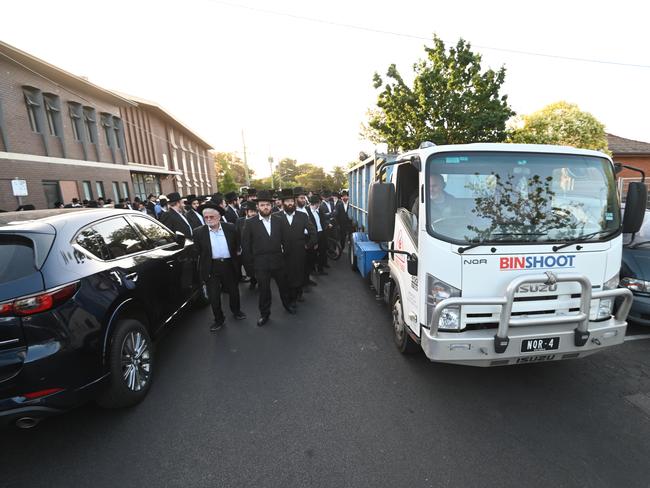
<point>132,277</point>
<point>116,277</point>
<point>171,263</point>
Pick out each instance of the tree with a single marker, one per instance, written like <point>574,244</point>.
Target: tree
<point>311,177</point>
<point>339,178</point>
<point>452,101</point>
<point>230,172</point>
<point>564,124</point>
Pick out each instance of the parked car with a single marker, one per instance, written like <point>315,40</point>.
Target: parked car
<point>82,294</point>
<point>635,271</point>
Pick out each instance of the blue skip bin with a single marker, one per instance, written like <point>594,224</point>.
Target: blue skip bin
<point>366,252</point>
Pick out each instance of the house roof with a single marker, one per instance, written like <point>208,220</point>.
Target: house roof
<point>620,145</point>
<point>64,79</point>
<point>165,115</point>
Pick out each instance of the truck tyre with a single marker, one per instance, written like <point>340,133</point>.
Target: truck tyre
<point>130,363</point>
<point>403,340</point>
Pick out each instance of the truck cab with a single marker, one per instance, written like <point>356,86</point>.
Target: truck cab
<point>501,254</point>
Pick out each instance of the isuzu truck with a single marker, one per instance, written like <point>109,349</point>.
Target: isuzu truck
<point>496,254</point>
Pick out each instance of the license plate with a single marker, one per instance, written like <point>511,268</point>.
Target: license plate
<point>544,344</point>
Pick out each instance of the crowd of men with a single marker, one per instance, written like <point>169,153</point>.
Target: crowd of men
<point>256,238</point>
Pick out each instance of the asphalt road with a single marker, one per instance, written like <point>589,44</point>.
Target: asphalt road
<point>323,398</point>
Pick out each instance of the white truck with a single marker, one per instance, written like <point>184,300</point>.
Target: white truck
<point>497,254</point>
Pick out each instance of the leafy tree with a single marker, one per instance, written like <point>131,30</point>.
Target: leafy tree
<point>564,124</point>
<point>339,178</point>
<point>451,101</point>
<point>311,176</point>
<point>230,171</point>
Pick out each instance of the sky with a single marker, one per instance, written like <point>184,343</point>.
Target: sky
<point>301,89</point>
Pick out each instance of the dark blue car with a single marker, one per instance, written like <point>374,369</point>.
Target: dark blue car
<point>635,271</point>
<point>82,295</point>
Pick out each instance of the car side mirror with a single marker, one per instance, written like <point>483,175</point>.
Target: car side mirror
<point>180,239</point>
<point>412,264</point>
<point>635,205</point>
<point>382,205</point>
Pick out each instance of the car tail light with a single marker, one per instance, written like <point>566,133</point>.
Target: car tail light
<point>41,393</point>
<point>38,303</point>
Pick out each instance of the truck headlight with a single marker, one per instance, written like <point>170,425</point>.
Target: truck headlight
<point>438,291</point>
<point>635,284</point>
<point>606,305</point>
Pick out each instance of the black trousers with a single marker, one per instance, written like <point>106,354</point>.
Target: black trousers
<point>263,277</point>
<point>223,279</point>
<point>321,252</point>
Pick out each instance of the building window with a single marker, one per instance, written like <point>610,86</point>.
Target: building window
<point>90,124</point>
<point>119,132</point>
<point>145,184</point>
<point>107,124</point>
<point>116,192</point>
<point>99,186</point>
<point>52,113</point>
<point>125,190</point>
<point>88,191</point>
<point>32,97</point>
<point>75,116</point>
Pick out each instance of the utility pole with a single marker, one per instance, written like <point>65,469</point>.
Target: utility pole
<point>271,167</point>
<point>248,180</point>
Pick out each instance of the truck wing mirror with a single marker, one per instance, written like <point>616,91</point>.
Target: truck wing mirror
<point>412,264</point>
<point>382,205</point>
<point>635,205</point>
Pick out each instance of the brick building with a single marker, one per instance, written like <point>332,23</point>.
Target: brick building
<point>631,152</point>
<point>69,138</point>
<point>164,155</point>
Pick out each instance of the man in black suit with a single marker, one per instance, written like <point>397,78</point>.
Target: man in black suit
<point>232,214</point>
<point>319,253</point>
<point>343,218</point>
<point>250,209</point>
<point>216,243</point>
<point>174,218</point>
<point>262,239</point>
<point>326,211</point>
<point>298,235</point>
<point>192,213</point>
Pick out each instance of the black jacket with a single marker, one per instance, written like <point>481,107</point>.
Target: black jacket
<point>342,218</point>
<point>325,213</point>
<point>294,240</point>
<point>193,218</point>
<point>231,215</point>
<point>175,222</point>
<point>312,219</point>
<point>266,250</point>
<point>204,247</point>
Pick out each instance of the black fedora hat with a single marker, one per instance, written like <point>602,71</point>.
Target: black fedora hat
<point>314,199</point>
<point>264,196</point>
<point>213,206</point>
<point>174,197</point>
<point>286,193</point>
<point>299,190</point>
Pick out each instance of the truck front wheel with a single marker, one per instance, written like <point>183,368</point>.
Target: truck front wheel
<point>403,340</point>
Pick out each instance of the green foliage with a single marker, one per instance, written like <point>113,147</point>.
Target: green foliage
<point>564,124</point>
<point>230,172</point>
<point>452,101</point>
<point>290,174</point>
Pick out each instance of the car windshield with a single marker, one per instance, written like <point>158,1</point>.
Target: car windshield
<point>483,197</point>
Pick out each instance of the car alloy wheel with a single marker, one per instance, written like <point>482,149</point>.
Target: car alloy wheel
<point>136,361</point>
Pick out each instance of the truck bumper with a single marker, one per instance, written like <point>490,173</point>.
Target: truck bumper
<point>476,348</point>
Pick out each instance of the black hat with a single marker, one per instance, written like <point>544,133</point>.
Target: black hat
<point>174,197</point>
<point>344,193</point>
<point>327,193</point>
<point>230,196</point>
<point>286,193</point>
<point>264,196</point>
<point>191,198</point>
<point>299,190</point>
<point>252,192</point>
<point>336,194</point>
<point>221,211</point>
<point>314,199</point>
<point>249,205</point>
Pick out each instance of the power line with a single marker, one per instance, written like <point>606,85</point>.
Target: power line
<point>421,38</point>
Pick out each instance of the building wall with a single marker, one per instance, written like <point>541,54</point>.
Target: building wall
<point>49,152</point>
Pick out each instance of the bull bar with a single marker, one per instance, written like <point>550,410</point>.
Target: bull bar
<point>581,332</point>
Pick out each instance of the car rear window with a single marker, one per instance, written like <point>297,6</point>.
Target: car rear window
<point>153,231</point>
<point>16,258</point>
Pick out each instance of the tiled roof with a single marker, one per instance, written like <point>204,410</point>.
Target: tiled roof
<point>620,145</point>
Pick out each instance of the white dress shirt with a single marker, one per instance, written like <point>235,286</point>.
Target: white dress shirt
<point>289,217</point>
<point>316,214</point>
<point>302,209</point>
<point>267,223</point>
<point>219,244</point>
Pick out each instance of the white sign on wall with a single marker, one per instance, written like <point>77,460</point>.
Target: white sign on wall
<point>19,188</point>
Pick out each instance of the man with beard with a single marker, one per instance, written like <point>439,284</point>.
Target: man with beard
<point>216,244</point>
<point>298,235</point>
<point>192,214</point>
<point>250,211</point>
<point>318,255</point>
<point>175,218</point>
<point>232,213</point>
<point>262,239</point>
<point>343,218</point>
<point>326,211</point>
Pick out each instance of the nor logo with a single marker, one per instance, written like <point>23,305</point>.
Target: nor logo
<point>510,263</point>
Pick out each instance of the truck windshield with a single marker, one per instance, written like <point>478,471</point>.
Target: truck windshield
<point>520,197</point>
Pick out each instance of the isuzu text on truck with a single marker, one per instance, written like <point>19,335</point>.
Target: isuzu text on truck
<point>497,254</point>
